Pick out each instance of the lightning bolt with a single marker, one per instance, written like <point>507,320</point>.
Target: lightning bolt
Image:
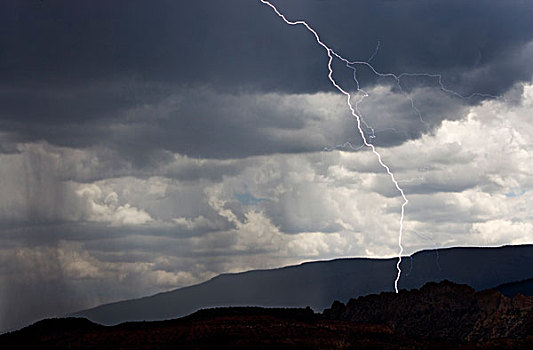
<point>354,108</point>
<point>331,54</point>
<point>375,52</point>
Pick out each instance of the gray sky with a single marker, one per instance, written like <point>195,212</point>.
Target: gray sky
<point>146,146</point>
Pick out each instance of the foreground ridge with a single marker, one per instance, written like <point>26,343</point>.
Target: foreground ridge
<point>445,310</point>
<point>441,315</point>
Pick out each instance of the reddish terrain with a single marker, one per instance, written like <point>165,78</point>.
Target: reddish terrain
<point>438,316</point>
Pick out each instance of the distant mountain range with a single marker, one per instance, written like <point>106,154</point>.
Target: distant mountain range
<point>511,289</point>
<point>318,284</point>
<point>441,315</point>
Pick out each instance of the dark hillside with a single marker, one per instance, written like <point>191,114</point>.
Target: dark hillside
<point>438,316</point>
<point>317,284</point>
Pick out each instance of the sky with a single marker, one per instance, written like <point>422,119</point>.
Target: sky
<point>147,146</point>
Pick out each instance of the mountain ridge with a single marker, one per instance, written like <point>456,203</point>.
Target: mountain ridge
<point>318,283</point>
<point>511,289</point>
<point>442,315</point>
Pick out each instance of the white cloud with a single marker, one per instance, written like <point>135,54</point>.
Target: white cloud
<point>469,182</point>
<point>105,207</point>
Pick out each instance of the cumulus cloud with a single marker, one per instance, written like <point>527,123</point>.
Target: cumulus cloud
<point>468,182</point>
<point>105,207</point>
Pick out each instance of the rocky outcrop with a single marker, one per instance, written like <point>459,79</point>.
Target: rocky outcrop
<point>445,310</point>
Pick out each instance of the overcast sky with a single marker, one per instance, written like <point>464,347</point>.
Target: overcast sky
<point>146,146</point>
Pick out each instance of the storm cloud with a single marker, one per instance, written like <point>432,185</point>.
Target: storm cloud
<point>146,146</point>
<point>149,70</point>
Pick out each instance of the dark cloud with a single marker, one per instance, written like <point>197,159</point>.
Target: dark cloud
<point>85,74</point>
<point>242,43</point>
<point>448,37</point>
<point>179,42</point>
<point>194,122</point>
